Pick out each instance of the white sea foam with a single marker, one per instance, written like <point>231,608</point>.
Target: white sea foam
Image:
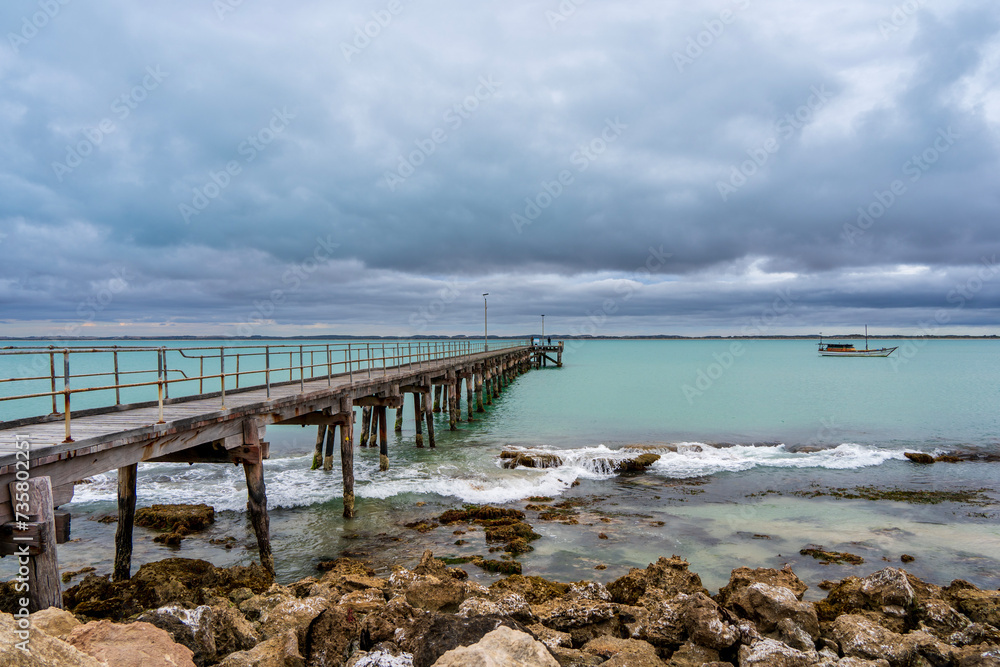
<point>290,482</point>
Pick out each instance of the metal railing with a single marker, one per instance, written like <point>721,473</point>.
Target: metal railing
<point>136,372</point>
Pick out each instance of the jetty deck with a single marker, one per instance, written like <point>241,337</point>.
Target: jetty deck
<point>220,416</point>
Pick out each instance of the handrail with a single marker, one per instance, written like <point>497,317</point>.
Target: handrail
<point>260,366</point>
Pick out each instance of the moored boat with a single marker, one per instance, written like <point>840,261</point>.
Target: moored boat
<point>848,349</point>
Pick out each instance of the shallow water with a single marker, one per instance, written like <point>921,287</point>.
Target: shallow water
<point>782,419</point>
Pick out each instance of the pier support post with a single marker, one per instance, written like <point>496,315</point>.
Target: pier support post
<point>429,418</point>
<point>257,497</point>
<point>489,386</point>
<point>479,390</point>
<point>33,497</point>
<point>347,457</point>
<point>318,454</point>
<point>126,519</point>
<point>328,460</point>
<point>418,418</point>
<point>451,401</point>
<point>366,424</point>
<point>383,438</point>
<point>470,381</point>
<point>398,426</point>
<point>437,398</point>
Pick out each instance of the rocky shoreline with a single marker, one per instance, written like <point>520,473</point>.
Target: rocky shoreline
<point>183,612</point>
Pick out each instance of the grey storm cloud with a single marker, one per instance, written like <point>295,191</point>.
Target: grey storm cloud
<point>226,167</point>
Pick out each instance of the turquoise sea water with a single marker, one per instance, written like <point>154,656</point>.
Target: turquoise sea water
<point>748,432</point>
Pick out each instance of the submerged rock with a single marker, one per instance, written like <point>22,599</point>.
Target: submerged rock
<point>919,457</point>
<point>175,520</point>
<point>530,460</point>
<point>839,557</point>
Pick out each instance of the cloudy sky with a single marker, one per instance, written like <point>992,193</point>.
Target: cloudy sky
<point>235,167</point>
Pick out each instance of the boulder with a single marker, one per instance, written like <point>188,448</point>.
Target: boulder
<point>705,625</point>
<point>623,652</point>
<point>502,647</point>
<point>976,633</point>
<point>512,605</point>
<point>940,619</point>
<point>589,590</point>
<point>742,577</point>
<point>535,590</point>
<point>692,655</point>
<point>571,657</point>
<point>772,653</point>
<point>41,650</point>
<point>549,637</point>
<point>433,635</point>
<point>290,614</point>
<point>889,586</point>
<point>280,651</point>
<point>329,635</point>
<point>134,645</point>
<point>662,624</point>
<point>211,632</point>
<point>667,574</point>
<point>530,460</point>
<point>978,656</point>
<point>392,622</point>
<point>54,622</point>
<point>567,614</point>
<point>364,602</point>
<point>919,457</point>
<point>860,637</point>
<point>767,605</point>
<point>434,594</point>
<point>928,649</point>
<point>980,606</point>
<point>791,633</point>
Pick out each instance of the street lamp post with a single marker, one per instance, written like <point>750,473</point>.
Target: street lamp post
<point>486,345</point>
<point>543,328</point>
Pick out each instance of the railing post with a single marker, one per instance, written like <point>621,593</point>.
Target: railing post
<point>302,371</point>
<point>159,385</point>
<point>52,373</point>
<point>368,352</point>
<point>118,397</point>
<point>66,389</point>
<point>329,367</point>
<point>267,369</point>
<point>237,370</point>
<point>222,375</point>
<point>383,360</point>
<point>201,375</point>
<point>166,378</point>
<point>350,362</point>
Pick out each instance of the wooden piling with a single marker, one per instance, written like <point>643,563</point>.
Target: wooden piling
<point>347,458</point>
<point>328,459</point>
<point>366,424</point>
<point>257,497</point>
<point>418,418</point>
<point>126,519</point>
<point>451,401</point>
<point>437,398</point>
<point>383,439</point>
<point>429,418</point>
<point>32,499</point>
<point>479,390</point>
<point>470,381</point>
<point>398,427</point>
<point>318,454</point>
<point>489,386</point>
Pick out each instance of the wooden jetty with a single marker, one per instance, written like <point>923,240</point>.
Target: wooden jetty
<point>225,397</point>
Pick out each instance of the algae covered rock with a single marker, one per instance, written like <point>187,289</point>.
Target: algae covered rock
<point>175,520</point>
<point>742,577</point>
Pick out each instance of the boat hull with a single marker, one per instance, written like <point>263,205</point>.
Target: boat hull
<point>881,352</point>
